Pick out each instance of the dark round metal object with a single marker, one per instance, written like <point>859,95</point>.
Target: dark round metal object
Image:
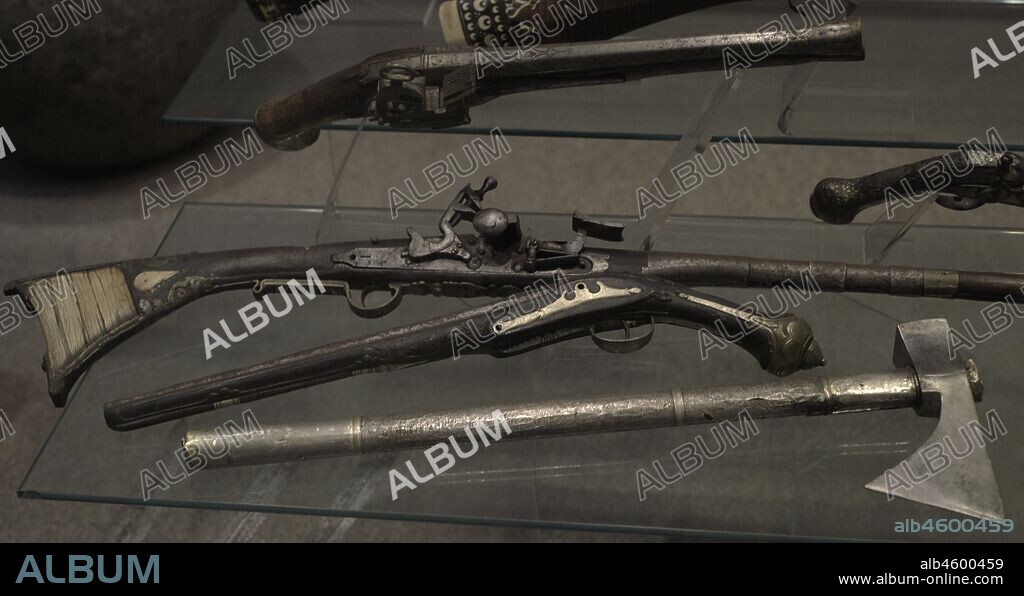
<point>490,223</point>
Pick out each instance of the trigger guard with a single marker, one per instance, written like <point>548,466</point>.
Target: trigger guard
<point>373,312</point>
<point>623,346</point>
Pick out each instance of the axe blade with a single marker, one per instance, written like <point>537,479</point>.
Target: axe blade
<point>951,470</point>
<point>967,485</point>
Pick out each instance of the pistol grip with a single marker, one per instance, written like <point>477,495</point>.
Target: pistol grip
<point>839,200</point>
<point>294,122</point>
<point>782,345</point>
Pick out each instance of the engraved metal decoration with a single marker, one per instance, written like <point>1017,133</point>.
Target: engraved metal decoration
<point>579,296</point>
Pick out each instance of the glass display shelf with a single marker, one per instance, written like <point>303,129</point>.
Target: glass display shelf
<point>915,89</point>
<point>798,478</point>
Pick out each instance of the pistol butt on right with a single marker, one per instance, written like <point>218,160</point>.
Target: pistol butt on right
<point>839,200</point>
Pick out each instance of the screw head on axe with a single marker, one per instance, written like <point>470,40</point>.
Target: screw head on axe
<point>951,469</point>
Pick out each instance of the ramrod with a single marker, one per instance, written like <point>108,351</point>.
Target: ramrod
<point>608,289</point>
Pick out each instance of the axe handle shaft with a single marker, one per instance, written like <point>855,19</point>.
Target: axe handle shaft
<point>613,413</point>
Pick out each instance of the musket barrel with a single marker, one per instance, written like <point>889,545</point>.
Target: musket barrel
<point>614,413</point>
<point>747,272</point>
<point>840,41</point>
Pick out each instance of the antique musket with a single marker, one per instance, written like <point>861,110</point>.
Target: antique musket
<point>962,180</point>
<point>489,22</point>
<point>584,290</point>
<point>925,379</point>
<point>436,87</point>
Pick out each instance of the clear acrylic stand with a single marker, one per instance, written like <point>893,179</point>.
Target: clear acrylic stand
<point>431,20</point>
<point>891,226</point>
<point>694,141</point>
<point>337,148</point>
<point>792,90</point>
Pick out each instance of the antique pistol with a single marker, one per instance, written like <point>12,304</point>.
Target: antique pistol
<point>436,87</point>
<point>501,22</point>
<point>583,291</point>
<point>962,180</point>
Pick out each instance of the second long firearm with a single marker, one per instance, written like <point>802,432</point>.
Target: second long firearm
<point>115,301</point>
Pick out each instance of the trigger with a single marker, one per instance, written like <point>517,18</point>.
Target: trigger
<point>626,345</point>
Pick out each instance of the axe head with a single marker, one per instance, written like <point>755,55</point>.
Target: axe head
<point>952,469</point>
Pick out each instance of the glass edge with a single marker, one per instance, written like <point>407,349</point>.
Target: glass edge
<point>509,522</point>
<point>49,435</point>
<point>600,135</point>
